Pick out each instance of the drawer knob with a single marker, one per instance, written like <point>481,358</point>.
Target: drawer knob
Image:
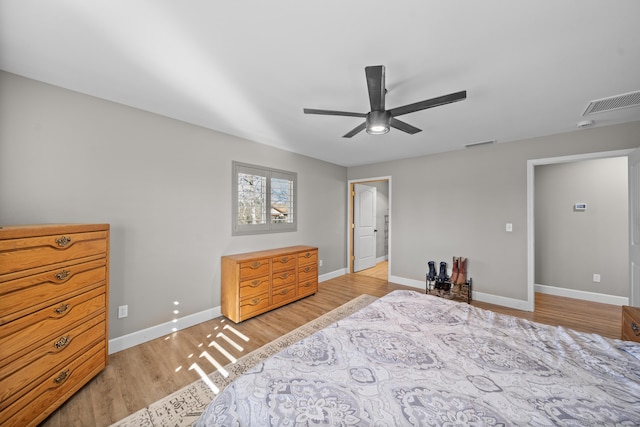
<point>62,342</point>
<point>284,276</point>
<point>63,376</point>
<point>255,301</point>
<point>255,283</point>
<point>63,274</point>
<point>307,269</point>
<point>306,285</point>
<point>636,329</point>
<point>255,264</point>
<point>284,292</point>
<point>63,308</point>
<point>307,255</point>
<point>285,259</point>
<point>63,241</point>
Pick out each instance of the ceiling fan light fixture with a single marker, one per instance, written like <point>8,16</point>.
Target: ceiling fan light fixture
<point>377,129</point>
<point>378,122</point>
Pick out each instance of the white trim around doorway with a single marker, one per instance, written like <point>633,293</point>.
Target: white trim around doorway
<point>531,164</point>
<point>349,222</point>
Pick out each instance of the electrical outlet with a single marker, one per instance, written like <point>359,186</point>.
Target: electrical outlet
<point>320,263</point>
<point>508,227</point>
<point>596,278</point>
<point>123,311</point>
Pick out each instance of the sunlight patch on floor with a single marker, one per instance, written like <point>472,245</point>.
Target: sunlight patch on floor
<point>235,331</point>
<point>205,378</point>
<point>230,341</point>
<point>218,340</point>
<point>215,363</point>
<point>223,351</point>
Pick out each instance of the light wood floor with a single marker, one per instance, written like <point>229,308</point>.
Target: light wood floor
<point>139,376</point>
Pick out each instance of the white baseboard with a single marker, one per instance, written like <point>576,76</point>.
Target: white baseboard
<point>478,296</point>
<point>332,275</point>
<point>421,284</point>
<point>517,304</point>
<point>139,337</point>
<point>583,295</point>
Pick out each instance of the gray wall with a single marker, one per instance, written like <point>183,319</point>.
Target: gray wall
<point>457,204</point>
<point>163,185</point>
<point>573,245</point>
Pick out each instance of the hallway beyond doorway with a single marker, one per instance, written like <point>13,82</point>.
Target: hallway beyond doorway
<point>379,271</point>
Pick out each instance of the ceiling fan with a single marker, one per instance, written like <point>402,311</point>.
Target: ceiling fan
<point>378,121</point>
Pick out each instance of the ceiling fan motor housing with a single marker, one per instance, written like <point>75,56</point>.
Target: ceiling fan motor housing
<point>378,122</point>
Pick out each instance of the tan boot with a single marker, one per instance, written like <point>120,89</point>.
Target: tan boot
<point>461,279</point>
<point>454,270</point>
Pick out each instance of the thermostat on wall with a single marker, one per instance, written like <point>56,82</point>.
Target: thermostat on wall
<point>580,206</point>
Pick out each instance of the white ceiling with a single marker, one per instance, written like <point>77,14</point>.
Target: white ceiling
<point>249,67</point>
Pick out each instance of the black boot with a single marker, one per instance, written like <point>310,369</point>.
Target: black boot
<point>431,275</point>
<point>442,277</point>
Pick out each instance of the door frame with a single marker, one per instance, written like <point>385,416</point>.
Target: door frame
<point>531,247</point>
<point>350,220</point>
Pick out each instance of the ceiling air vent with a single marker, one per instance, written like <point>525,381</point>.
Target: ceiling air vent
<point>475,144</point>
<point>631,99</point>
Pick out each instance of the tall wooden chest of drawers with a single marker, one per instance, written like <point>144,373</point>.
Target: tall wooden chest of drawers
<point>54,286</point>
<point>630,323</point>
<point>256,282</point>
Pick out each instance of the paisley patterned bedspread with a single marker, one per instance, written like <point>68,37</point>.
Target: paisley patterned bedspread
<point>414,359</point>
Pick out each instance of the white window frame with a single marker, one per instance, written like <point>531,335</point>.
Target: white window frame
<point>269,226</point>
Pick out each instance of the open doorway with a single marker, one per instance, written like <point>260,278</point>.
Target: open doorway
<point>531,217</point>
<point>374,257</point>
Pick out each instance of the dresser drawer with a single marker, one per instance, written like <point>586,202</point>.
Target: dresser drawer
<point>254,305</point>
<point>308,272</point>
<point>631,323</point>
<point>308,257</point>
<point>23,334</point>
<point>254,268</point>
<point>22,373</point>
<point>283,278</point>
<point>284,294</point>
<point>24,295</point>
<point>283,262</point>
<point>308,287</point>
<point>48,394</point>
<point>254,286</point>
<point>24,254</point>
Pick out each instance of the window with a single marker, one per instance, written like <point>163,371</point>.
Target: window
<point>264,200</point>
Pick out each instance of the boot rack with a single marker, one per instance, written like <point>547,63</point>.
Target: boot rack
<point>463,292</point>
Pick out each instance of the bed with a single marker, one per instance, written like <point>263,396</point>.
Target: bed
<point>415,359</point>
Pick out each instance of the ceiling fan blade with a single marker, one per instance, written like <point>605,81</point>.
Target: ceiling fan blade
<point>429,103</point>
<point>355,130</point>
<point>333,113</point>
<point>405,127</point>
<point>375,84</point>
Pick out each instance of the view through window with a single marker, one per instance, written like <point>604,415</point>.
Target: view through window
<point>264,199</point>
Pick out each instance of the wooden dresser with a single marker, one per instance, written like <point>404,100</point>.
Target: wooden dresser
<point>255,282</point>
<point>54,282</point>
<point>630,323</point>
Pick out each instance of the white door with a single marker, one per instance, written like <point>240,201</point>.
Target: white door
<point>364,235</point>
<point>634,228</point>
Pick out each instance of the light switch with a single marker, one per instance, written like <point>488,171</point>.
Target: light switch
<point>509,227</point>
